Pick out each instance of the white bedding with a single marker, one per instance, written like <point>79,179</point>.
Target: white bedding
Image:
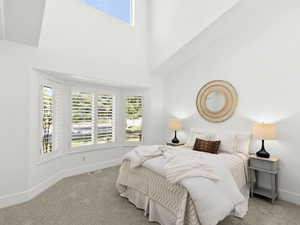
<point>214,199</point>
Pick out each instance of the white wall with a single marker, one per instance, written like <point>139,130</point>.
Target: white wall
<point>76,40</point>
<point>176,22</point>
<point>14,91</point>
<point>258,53</point>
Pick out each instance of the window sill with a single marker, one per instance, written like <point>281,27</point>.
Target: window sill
<point>93,148</point>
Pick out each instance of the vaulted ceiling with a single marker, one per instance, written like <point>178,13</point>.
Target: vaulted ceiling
<point>173,25</point>
<point>21,21</point>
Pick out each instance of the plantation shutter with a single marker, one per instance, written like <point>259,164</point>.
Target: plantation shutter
<point>105,119</point>
<point>82,118</point>
<point>52,113</point>
<point>134,118</point>
<point>59,122</point>
<point>47,119</point>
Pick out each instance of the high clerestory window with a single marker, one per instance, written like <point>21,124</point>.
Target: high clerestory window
<point>121,9</point>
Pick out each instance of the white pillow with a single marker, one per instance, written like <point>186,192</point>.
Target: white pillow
<point>228,142</point>
<point>194,135</point>
<point>243,143</point>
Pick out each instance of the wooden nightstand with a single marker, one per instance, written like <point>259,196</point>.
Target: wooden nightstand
<point>175,145</point>
<point>269,166</point>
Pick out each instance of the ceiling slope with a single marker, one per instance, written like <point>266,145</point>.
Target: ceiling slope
<point>227,34</point>
<point>174,23</point>
<point>23,20</point>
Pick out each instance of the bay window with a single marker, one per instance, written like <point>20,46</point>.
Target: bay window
<point>77,117</point>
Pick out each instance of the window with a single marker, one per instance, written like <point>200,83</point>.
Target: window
<point>105,118</point>
<point>93,120</point>
<point>134,118</point>
<point>121,9</point>
<point>52,117</point>
<point>86,117</point>
<point>82,118</point>
<point>47,119</point>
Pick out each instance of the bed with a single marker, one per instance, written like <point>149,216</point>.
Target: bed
<point>182,203</point>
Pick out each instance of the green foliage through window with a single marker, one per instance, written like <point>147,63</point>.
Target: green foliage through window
<point>82,119</point>
<point>105,128</point>
<point>134,118</point>
<point>47,120</point>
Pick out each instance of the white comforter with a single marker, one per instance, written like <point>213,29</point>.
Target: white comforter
<point>206,177</point>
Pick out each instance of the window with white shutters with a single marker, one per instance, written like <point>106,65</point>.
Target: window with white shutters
<point>52,117</point>
<point>134,118</point>
<point>105,119</point>
<point>47,119</point>
<point>82,118</point>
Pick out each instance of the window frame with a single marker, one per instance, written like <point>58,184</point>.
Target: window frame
<point>93,118</point>
<point>52,83</point>
<point>96,91</point>
<point>128,94</point>
<point>131,12</point>
<point>114,115</point>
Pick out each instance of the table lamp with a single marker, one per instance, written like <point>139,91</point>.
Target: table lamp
<point>264,131</point>
<point>175,125</point>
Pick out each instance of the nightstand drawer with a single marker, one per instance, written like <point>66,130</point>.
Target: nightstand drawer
<point>264,164</point>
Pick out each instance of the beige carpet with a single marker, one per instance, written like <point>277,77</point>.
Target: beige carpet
<point>91,199</point>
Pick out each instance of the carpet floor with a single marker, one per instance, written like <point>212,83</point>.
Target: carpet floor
<point>91,199</point>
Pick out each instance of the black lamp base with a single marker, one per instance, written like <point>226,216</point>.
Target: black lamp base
<point>262,152</point>
<point>175,139</point>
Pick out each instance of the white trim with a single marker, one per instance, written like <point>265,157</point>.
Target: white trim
<point>102,148</point>
<point>134,94</point>
<point>289,196</point>
<point>132,12</point>
<point>93,81</point>
<point>2,25</point>
<point>31,193</point>
<point>53,83</point>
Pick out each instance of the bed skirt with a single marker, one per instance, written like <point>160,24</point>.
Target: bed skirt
<point>163,202</point>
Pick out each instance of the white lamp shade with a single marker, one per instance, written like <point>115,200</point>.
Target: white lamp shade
<point>175,125</point>
<point>264,131</point>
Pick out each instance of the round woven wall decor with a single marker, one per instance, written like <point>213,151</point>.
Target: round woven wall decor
<point>216,101</point>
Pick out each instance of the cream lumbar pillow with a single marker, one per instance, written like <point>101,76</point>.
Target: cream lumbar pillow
<point>243,143</point>
<point>228,142</point>
<point>194,135</point>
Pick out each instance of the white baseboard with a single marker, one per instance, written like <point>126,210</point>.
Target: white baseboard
<point>289,196</point>
<point>25,196</point>
<point>13,199</point>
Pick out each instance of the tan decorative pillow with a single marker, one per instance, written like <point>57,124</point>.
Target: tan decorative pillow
<point>207,146</point>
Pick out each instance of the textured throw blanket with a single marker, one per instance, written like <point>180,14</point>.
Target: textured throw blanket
<point>208,181</point>
<point>179,167</point>
<point>143,153</point>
